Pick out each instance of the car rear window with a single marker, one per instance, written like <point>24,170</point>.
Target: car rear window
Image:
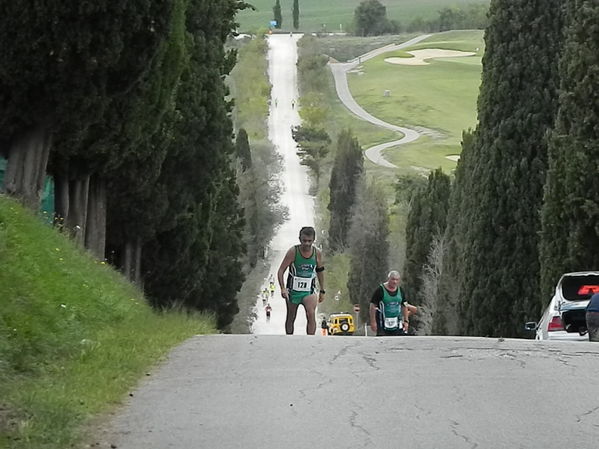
<point>579,288</point>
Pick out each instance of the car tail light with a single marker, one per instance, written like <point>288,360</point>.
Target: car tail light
<point>555,324</point>
<point>586,290</point>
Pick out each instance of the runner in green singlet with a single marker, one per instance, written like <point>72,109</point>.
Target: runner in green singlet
<point>304,262</point>
<point>389,313</point>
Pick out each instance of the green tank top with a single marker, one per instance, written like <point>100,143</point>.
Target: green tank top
<point>390,307</point>
<point>302,274</point>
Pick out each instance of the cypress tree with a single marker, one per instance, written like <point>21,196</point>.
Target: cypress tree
<point>132,169</point>
<point>503,179</point>
<point>347,170</point>
<point>426,221</point>
<point>85,55</point>
<point>194,259</point>
<point>570,214</point>
<point>460,216</point>
<point>277,14</point>
<point>296,14</point>
<point>242,148</point>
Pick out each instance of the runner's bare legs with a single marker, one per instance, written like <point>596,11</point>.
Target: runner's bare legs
<point>310,303</point>
<point>291,314</point>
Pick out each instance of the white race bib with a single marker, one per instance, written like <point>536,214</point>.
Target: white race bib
<point>391,323</point>
<point>301,284</point>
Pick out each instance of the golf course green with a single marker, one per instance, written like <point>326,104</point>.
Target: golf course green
<point>439,96</point>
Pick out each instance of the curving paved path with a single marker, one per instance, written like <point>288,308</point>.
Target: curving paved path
<point>340,74</point>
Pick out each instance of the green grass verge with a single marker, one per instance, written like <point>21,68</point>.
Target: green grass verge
<point>250,88</point>
<point>336,15</point>
<point>75,336</point>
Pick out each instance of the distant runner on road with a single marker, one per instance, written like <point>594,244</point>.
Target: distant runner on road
<point>268,309</point>
<point>305,264</point>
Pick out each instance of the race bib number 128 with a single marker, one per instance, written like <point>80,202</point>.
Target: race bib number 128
<point>302,284</point>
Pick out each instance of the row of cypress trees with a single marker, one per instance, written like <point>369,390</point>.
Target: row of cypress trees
<point>123,104</point>
<point>524,205</point>
<point>278,15</point>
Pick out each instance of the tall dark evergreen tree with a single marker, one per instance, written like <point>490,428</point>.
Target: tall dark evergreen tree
<point>242,148</point>
<point>125,162</point>
<point>347,170</point>
<point>84,55</point>
<point>426,221</point>
<point>460,216</point>
<point>296,14</point>
<point>368,247</point>
<point>278,17</point>
<point>505,172</point>
<point>570,236</point>
<point>197,249</point>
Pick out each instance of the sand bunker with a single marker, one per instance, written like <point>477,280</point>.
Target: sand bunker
<point>420,56</point>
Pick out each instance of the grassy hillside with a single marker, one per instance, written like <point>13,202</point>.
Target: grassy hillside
<point>338,14</point>
<point>74,335</point>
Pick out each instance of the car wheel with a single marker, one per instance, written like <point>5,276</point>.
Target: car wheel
<point>344,327</point>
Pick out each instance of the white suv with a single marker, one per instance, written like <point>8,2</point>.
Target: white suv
<point>564,317</point>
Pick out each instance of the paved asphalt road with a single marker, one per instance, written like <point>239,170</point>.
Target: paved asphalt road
<point>273,392</point>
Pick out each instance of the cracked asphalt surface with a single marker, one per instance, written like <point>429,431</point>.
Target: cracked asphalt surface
<point>272,391</point>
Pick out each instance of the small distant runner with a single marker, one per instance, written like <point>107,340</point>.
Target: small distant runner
<point>268,310</point>
<point>324,326</point>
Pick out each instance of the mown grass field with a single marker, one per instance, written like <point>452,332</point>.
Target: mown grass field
<point>75,336</point>
<point>338,14</point>
<point>440,96</point>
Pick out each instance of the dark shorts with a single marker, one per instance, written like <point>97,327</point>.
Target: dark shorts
<point>386,333</point>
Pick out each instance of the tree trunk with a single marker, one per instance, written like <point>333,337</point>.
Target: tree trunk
<point>76,220</point>
<point>95,228</point>
<point>26,169</point>
<point>61,200</point>
<point>127,259</point>
<point>130,261</point>
<point>137,278</point>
